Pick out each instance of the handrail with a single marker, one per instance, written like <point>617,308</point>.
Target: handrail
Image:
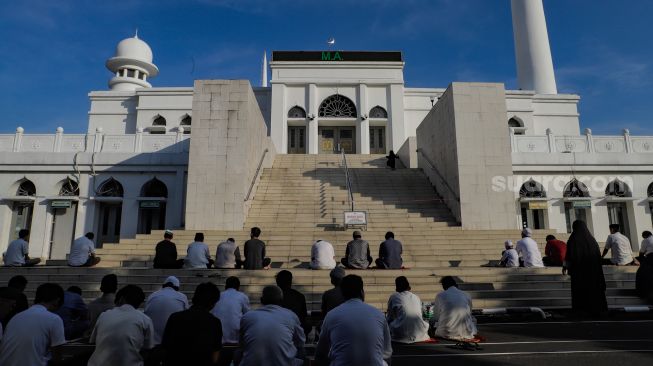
<point>258,171</point>
<point>347,179</point>
<point>437,172</point>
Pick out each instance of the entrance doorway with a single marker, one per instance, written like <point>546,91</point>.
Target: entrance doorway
<point>110,216</point>
<point>297,140</point>
<point>63,228</point>
<point>152,206</point>
<point>576,210</point>
<point>333,139</point>
<point>617,214</point>
<point>21,217</point>
<point>377,140</point>
<point>532,218</point>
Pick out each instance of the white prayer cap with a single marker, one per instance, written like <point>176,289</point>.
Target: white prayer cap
<point>508,244</point>
<point>172,280</point>
<point>168,231</point>
<point>527,232</point>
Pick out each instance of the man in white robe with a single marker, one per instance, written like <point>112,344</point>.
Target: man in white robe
<point>452,311</point>
<point>404,315</point>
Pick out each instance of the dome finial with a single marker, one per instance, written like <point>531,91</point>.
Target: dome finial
<point>136,34</point>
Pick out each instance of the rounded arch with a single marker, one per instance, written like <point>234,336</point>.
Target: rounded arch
<point>296,112</point>
<point>26,188</point>
<point>618,188</point>
<point>69,188</point>
<point>378,112</point>
<point>337,106</point>
<point>154,188</point>
<point>186,120</point>
<point>576,188</point>
<point>532,189</point>
<point>649,190</point>
<point>515,121</point>
<point>110,188</point>
<point>159,120</point>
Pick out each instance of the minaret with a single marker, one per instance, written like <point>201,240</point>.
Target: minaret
<point>264,70</point>
<point>532,49</point>
<point>132,65</point>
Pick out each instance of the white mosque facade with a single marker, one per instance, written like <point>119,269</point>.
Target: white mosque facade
<point>129,173</point>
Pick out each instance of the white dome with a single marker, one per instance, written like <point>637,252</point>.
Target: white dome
<point>134,48</point>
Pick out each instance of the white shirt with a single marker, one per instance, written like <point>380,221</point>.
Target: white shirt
<point>271,335</point>
<point>405,318</point>
<point>81,249</point>
<point>622,252</point>
<point>119,336</point>
<point>160,305</point>
<point>647,246</point>
<point>225,255</point>
<point>510,258</point>
<point>230,309</point>
<point>452,310</point>
<point>197,255</point>
<point>530,253</point>
<point>354,333</point>
<point>322,255</point>
<point>29,336</point>
<point>16,252</point>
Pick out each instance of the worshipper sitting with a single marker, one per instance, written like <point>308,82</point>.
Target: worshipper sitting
<point>197,255</point>
<point>619,244</point>
<point>194,336</point>
<point>122,334</point>
<point>228,255</point>
<point>554,251</point>
<point>35,335</point>
<point>162,303</point>
<point>404,315</point>
<point>322,255</point>
<point>390,253</point>
<point>528,250</point>
<point>271,335</point>
<point>82,252</point>
<point>354,333</point>
<point>74,313</point>
<point>333,297</point>
<point>255,252</point>
<point>231,307</point>
<point>646,247</point>
<point>293,300</point>
<point>106,301</point>
<point>509,257</point>
<point>18,250</point>
<point>452,312</point>
<point>8,299</point>
<point>166,253</point>
<point>357,254</point>
<point>17,283</point>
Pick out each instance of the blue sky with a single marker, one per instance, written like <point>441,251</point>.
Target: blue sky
<point>52,52</point>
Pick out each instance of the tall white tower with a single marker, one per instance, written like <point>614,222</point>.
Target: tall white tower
<point>264,70</point>
<point>532,49</point>
<point>131,65</point>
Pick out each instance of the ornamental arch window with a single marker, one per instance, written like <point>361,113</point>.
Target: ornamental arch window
<point>617,188</point>
<point>649,190</point>
<point>186,122</point>
<point>575,189</point>
<point>159,121</point>
<point>26,188</point>
<point>296,112</point>
<point>69,188</point>
<point>532,189</point>
<point>154,188</point>
<point>110,188</point>
<point>378,112</point>
<point>337,106</point>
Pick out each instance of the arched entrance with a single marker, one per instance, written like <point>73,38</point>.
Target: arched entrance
<point>152,206</point>
<point>577,203</point>
<point>616,192</point>
<point>337,125</point>
<point>64,217</point>
<point>22,208</point>
<point>109,195</point>
<point>533,205</point>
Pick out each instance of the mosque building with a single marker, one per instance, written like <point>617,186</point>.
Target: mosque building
<point>502,159</point>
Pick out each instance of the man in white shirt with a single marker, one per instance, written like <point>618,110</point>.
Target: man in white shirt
<point>646,248</point>
<point>33,336</point>
<point>622,252</point>
<point>509,257</point>
<point>354,333</point>
<point>121,333</point>
<point>271,335</point>
<point>197,255</point>
<point>163,303</point>
<point>82,252</point>
<point>231,307</point>
<point>452,312</point>
<point>322,255</point>
<point>228,255</point>
<point>17,254</point>
<point>528,250</point>
<point>404,315</point>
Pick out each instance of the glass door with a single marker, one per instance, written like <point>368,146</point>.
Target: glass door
<point>297,140</point>
<point>377,140</point>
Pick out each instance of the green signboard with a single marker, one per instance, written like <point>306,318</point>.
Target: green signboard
<point>150,204</point>
<point>60,204</point>
<point>582,204</point>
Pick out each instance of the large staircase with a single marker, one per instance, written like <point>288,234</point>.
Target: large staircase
<point>302,199</point>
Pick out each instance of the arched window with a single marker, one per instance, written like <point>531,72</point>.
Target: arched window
<point>575,189</point>
<point>69,188</point>
<point>158,125</point>
<point>337,106</point>
<point>514,122</point>
<point>110,188</point>
<point>186,123</point>
<point>532,189</point>
<point>154,188</point>
<point>649,191</point>
<point>296,112</point>
<point>26,188</point>
<point>378,112</point>
<point>617,188</point>
<point>159,121</point>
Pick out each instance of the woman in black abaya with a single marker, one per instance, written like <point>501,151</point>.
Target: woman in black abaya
<point>583,262</point>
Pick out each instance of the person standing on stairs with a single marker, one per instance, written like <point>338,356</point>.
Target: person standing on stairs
<point>392,160</point>
<point>390,253</point>
<point>357,255</point>
<point>255,252</point>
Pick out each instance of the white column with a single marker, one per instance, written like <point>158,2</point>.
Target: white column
<point>532,49</point>
<point>312,127</point>
<point>363,126</point>
<point>279,119</point>
<point>396,129</point>
<point>39,238</point>
<point>264,70</point>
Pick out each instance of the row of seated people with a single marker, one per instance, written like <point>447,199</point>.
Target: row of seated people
<point>218,328</point>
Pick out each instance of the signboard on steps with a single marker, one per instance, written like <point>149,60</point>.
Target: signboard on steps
<point>355,218</point>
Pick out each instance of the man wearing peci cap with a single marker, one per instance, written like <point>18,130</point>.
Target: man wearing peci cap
<point>509,257</point>
<point>357,255</point>
<point>528,250</point>
<point>161,304</point>
<point>166,253</point>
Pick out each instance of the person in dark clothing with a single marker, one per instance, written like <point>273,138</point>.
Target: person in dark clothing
<point>644,279</point>
<point>74,313</point>
<point>194,336</point>
<point>583,263</point>
<point>391,160</point>
<point>166,253</point>
<point>17,283</point>
<point>8,298</point>
<point>293,300</point>
<point>333,297</point>
<point>255,252</point>
<point>555,252</point>
<point>390,253</point>
<point>357,253</point>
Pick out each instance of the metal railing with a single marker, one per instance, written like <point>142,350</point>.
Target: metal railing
<point>258,171</point>
<point>350,195</point>
<point>437,172</point>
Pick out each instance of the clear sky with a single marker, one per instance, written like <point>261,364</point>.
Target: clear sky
<point>52,52</point>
